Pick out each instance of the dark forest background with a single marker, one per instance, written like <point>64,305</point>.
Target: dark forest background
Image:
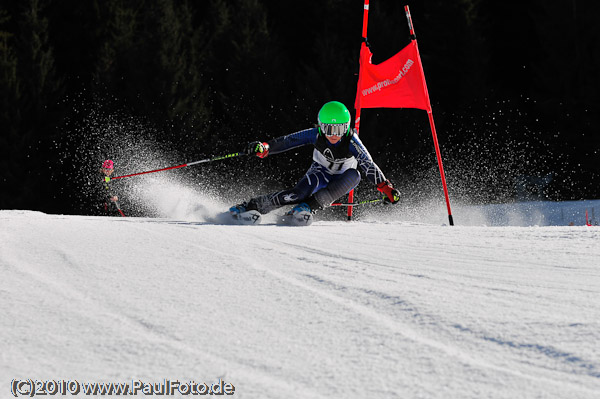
<point>514,87</point>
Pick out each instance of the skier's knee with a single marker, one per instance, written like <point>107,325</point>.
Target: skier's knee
<point>351,178</point>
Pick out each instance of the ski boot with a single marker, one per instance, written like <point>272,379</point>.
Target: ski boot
<point>300,215</point>
<point>245,213</point>
<point>237,209</point>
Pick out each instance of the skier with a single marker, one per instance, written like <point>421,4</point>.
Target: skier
<point>337,153</point>
<point>110,200</point>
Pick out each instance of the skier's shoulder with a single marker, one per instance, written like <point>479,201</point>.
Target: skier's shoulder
<point>356,143</point>
<point>354,136</point>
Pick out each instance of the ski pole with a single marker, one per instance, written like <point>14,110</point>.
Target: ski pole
<point>365,202</point>
<point>119,208</point>
<point>217,158</point>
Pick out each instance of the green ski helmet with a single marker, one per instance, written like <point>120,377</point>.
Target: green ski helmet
<point>334,119</point>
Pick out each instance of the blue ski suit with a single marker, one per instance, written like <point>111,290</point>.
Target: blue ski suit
<point>332,173</point>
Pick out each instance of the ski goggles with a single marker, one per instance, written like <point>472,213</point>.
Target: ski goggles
<point>334,129</point>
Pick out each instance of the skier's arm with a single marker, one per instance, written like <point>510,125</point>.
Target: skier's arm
<point>372,171</point>
<point>293,140</point>
<point>366,163</point>
<point>283,143</point>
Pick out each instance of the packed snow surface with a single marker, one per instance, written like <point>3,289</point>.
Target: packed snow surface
<point>367,309</point>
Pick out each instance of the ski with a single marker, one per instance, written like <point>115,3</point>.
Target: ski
<point>297,219</point>
<point>254,217</point>
<point>248,217</point>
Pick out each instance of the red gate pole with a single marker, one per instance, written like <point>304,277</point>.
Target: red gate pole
<point>430,114</point>
<point>357,120</point>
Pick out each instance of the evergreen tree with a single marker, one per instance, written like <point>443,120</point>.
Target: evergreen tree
<point>9,110</point>
<point>149,60</point>
<point>31,87</point>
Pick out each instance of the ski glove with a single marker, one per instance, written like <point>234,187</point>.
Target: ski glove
<point>257,148</point>
<point>391,194</point>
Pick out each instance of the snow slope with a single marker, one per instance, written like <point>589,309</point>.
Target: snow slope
<point>367,309</point>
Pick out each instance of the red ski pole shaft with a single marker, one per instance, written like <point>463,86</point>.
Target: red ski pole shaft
<point>217,158</point>
<point>149,171</point>
<point>119,208</point>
